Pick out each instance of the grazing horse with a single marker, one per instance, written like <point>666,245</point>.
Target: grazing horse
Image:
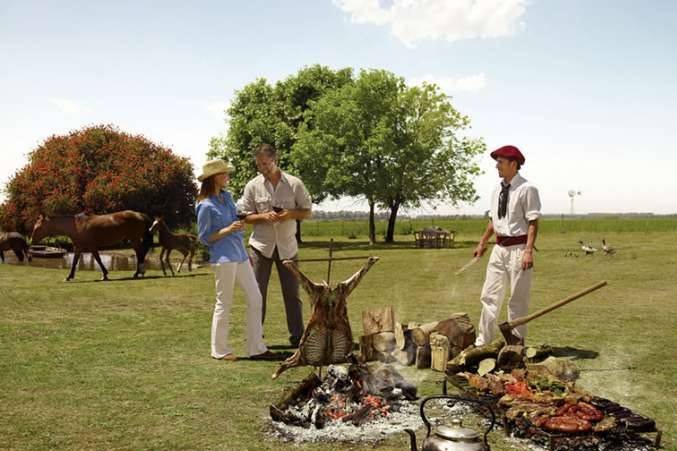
<point>89,233</point>
<point>16,242</point>
<point>186,243</point>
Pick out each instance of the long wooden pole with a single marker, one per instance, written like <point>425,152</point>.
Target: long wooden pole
<point>335,259</point>
<point>331,251</point>
<point>573,297</point>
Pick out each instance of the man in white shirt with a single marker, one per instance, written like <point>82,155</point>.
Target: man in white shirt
<point>273,201</point>
<point>515,209</point>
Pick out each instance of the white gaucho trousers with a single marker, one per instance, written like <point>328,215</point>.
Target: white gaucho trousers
<point>226,274</point>
<point>505,264</point>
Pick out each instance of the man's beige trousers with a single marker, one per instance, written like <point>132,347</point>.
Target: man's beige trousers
<point>505,264</point>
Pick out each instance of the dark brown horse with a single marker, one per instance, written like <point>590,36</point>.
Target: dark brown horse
<point>16,242</point>
<point>90,233</point>
<point>186,243</point>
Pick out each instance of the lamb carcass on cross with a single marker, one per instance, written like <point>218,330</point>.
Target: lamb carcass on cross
<point>328,338</point>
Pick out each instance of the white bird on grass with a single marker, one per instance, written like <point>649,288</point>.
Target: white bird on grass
<point>587,248</point>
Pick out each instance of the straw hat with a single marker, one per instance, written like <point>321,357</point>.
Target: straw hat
<point>214,167</point>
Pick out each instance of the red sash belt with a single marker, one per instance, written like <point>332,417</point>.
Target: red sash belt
<point>506,241</point>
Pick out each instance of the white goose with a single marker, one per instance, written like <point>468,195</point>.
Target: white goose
<point>607,249</point>
<point>587,248</point>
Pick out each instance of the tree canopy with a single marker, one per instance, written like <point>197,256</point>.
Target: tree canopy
<point>99,170</point>
<point>393,144</point>
<point>265,113</point>
<point>371,136</point>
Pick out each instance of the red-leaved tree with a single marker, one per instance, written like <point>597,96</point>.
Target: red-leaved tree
<point>99,170</point>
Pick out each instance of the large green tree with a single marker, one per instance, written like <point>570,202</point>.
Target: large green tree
<point>393,144</point>
<point>265,113</point>
<point>262,113</point>
<point>99,169</point>
<point>345,151</point>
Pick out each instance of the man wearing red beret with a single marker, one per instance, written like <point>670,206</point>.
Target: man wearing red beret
<point>515,209</point>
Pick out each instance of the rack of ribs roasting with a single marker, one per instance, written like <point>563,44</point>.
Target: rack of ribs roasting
<point>327,338</point>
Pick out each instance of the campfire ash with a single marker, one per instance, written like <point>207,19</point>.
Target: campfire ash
<point>352,403</point>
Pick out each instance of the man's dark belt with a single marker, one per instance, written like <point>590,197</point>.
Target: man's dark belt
<point>506,241</point>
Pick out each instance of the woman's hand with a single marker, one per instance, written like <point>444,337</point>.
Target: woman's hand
<point>235,226</point>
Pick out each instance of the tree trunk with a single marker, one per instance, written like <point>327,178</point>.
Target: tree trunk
<point>372,224</point>
<point>390,233</point>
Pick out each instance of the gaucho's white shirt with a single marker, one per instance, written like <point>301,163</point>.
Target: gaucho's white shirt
<point>524,205</point>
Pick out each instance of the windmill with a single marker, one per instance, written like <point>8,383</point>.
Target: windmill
<point>573,193</point>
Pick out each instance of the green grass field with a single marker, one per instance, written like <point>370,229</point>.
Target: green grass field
<point>125,365</point>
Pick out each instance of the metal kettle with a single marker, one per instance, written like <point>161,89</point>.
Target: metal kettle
<point>452,437</point>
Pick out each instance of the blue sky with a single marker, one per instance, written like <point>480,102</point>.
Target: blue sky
<point>587,89</point>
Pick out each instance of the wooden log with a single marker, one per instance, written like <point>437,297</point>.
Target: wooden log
<point>298,393</point>
<point>510,357</point>
<point>378,320</point>
<point>472,355</point>
<point>423,357</point>
<point>459,330</point>
<point>537,354</point>
<point>412,325</point>
<point>399,336</point>
<point>367,348</point>
<point>421,335</point>
<point>439,351</point>
<point>384,342</point>
<point>406,356</point>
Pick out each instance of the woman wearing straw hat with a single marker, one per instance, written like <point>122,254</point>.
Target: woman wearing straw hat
<point>221,232</point>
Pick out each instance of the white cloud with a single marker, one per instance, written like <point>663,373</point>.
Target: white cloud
<point>452,20</point>
<point>470,83</point>
<point>66,106</point>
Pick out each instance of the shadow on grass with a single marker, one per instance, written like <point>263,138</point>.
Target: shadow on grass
<point>125,279</point>
<point>574,353</point>
<point>274,357</point>
<point>281,347</point>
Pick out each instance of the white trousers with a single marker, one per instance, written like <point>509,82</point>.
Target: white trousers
<point>226,274</point>
<point>505,263</point>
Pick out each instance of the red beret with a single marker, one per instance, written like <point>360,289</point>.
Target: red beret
<point>508,152</point>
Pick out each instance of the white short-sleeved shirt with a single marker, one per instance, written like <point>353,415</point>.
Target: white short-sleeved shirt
<point>524,205</point>
<point>260,197</point>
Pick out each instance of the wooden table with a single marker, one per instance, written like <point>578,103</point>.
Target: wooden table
<point>434,238</point>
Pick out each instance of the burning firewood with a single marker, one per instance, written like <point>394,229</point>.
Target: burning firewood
<point>328,338</point>
<point>355,394</point>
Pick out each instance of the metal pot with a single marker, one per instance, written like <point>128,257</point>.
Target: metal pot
<point>453,437</point>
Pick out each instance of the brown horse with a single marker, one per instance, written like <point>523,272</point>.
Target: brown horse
<point>186,243</point>
<point>16,242</point>
<point>90,233</point>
